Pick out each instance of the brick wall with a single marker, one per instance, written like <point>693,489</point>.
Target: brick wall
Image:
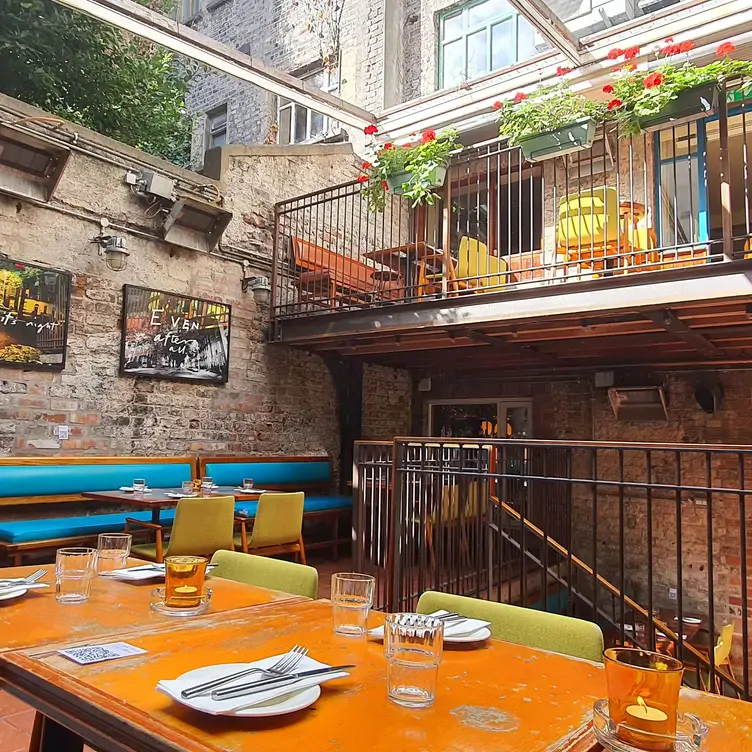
<point>387,395</point>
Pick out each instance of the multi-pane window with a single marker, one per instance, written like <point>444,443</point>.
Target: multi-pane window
<point>298,124</point>
<point>481,37</point>
<point>216,127</point>
<point>185,10</point>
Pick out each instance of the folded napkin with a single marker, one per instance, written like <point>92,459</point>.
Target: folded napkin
<point>173,687</point>
<point>174,495</point>
<point>135,573</point>
<point>455,629</point>
<point>130,488</point>
<point>251,490</point>
<point>19,587</point>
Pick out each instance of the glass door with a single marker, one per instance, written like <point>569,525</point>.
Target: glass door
<point>486,419</point>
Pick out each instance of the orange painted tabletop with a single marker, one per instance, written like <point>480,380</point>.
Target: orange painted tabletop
<point>36,618</point>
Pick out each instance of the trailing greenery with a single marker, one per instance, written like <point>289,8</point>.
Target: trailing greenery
<point>94,74</point>
<point>418,159</point>
<point>546,109</point>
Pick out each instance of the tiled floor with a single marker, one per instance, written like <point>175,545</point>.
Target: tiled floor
<point>17,718</point>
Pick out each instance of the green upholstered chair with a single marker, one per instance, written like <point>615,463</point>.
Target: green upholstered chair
<point>275,574</point>
<point>524,626</point>
<point>201,527</point>
<point>277,526</point>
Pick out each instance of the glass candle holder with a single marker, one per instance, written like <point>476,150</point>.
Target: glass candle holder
<point>184,580</point>
<point>643,696</point>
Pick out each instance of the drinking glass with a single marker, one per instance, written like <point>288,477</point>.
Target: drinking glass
<point>643,696</point>
<point>187,487</point>
<point>248,484</point>
<point>184,580</point>
<point>74,572</point>
<point>139,485</point>
<point>206,485</point>
<point>352,598</point>
<point>413,644</point>
<point>112,551</point>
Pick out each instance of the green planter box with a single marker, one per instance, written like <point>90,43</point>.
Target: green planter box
<point>559,141</point>
<point>396,181</point>
<point>690,104</point>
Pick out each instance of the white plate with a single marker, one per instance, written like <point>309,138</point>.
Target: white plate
<point>280,705</point>
<point>130,488</point>
<point>480,634</point>
<point>14,593</point>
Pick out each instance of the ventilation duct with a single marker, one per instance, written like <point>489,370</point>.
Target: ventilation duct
<point>638,403</point>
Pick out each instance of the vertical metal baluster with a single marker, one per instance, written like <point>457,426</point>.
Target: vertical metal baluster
<point>679,551</point>
<point>594,472</point>
<point>743,572</point>
<point>711,578</point>
<point>649,478</point>
<point>621,542</point>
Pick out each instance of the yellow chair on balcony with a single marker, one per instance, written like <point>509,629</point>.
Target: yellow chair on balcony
<point>476,266</point>
<point>590,228</point>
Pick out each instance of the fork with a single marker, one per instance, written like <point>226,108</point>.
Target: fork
<point>30,580</point>
<point>285,665</point>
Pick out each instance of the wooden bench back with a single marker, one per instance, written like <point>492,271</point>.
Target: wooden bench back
<point>346,272</point>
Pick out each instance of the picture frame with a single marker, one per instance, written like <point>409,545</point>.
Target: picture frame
<point>34,316</point>
<point>175,337</point>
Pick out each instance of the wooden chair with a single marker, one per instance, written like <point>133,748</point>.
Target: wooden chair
<point>721,658</point>
<point>640,236</point>
<point>262,571</point>
<point>524,626</point>
<point>277,526</point>
<point>201,527</point>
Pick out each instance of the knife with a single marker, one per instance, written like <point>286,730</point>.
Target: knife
<point>21,586</point>
<point>279,681</point>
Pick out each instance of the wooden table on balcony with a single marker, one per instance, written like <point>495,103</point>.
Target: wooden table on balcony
<point>498,696</point>
<point>403,259</point>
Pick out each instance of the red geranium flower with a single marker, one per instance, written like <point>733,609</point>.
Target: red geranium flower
<point>725,49</point>
<point>520,96</point>
<point>370,130</point>
<point>427,136</point>
<point>384,185</point>
<point>631,53</point>
<point>686,46</point>
<point>614,103</point>
<point>497,105</point>
<point>608,89</point>
<point>617,69</point>
<point>367,165</point>
<point>653,80</point>
<point>562,71</point>
<point>671,49</point>
<point>668,40</point>
<point>362,178</point>
<point>615,54</point>
<point>388,145</point>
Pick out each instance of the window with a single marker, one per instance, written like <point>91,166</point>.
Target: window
<point>185,10</point>
<point>298,124</point>
<point>479,38</point>
<point>216,127</point>
<point>469,419</point>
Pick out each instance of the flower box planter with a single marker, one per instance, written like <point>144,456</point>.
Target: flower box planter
<point>395,182</point>
<point>690,104</point>
<point>559,141</point>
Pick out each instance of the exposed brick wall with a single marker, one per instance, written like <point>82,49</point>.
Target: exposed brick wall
<point>387,395</point>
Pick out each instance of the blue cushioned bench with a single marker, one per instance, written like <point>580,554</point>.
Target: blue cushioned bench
<point>313,475</point>
<point>55,480</point>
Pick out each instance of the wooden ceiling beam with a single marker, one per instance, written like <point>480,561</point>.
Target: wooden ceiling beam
<point>671,323</point>
<point>508,346</point>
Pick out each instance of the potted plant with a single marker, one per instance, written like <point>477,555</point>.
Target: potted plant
<point>550,122</point>
<point>413,170</point>
<point>673,92</point>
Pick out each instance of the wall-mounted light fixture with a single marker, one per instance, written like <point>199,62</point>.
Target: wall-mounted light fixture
<point>259,286</point>
<point>112,247</point>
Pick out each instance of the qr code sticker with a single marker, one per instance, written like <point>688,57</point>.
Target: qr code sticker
<point>96,653</point>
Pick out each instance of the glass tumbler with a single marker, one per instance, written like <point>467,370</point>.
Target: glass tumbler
<point>139,485</point>
<point>186,487</point>
<point>643,696</point>
<point>248,484</point>
<point>207,484</point>
<point>352,598</point>
<point>74,572</point>
<point>113,550</point>
<point>184,580</point>
<point>413,644</point>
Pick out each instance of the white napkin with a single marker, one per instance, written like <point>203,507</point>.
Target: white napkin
<point>17,588</point>
<point>174,495</point>
<point>130,488</point>
<point>173,687</point>
<point>135,573</point>
<point>456,629</point>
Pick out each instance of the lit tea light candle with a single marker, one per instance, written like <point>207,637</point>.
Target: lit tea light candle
<point>645,717</point>
<point>186,595</point>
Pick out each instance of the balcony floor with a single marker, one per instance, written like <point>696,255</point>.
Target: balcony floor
<point>691,317</point>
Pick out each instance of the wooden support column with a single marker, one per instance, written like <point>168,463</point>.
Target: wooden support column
<point>726,216</point>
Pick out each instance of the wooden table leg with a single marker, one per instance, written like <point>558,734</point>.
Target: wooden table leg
<point>49,736</point>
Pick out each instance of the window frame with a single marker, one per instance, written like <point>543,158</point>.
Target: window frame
<point>194,7</point>
<point>467,31</point>
<point>331,86</point>
<point>211,132</point>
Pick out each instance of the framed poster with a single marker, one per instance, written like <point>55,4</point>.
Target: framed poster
<point>34,306</point>
<point>168,336</point>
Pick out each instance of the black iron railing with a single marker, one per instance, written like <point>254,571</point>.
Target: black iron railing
<point>678,197</point>
<point>649,541</point>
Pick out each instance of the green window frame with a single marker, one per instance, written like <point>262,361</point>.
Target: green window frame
<point>478,38</point>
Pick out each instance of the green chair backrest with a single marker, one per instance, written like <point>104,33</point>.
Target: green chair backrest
<point>262,571</point>
<point>279,519</point>
<point>524,626</point>
<point>202,526</point>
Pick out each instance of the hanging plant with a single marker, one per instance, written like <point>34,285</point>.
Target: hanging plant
<point>324,22</point>
<point>413,170</point>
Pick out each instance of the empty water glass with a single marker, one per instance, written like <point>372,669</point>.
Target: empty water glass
<point>74,572</point>
<point>207,484</point>
<point>139,485</point>
<point>248,484</point>
<point>186,487</point>
<point>113,550</point>
<point>413,644</point>
<point>352,598</point>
